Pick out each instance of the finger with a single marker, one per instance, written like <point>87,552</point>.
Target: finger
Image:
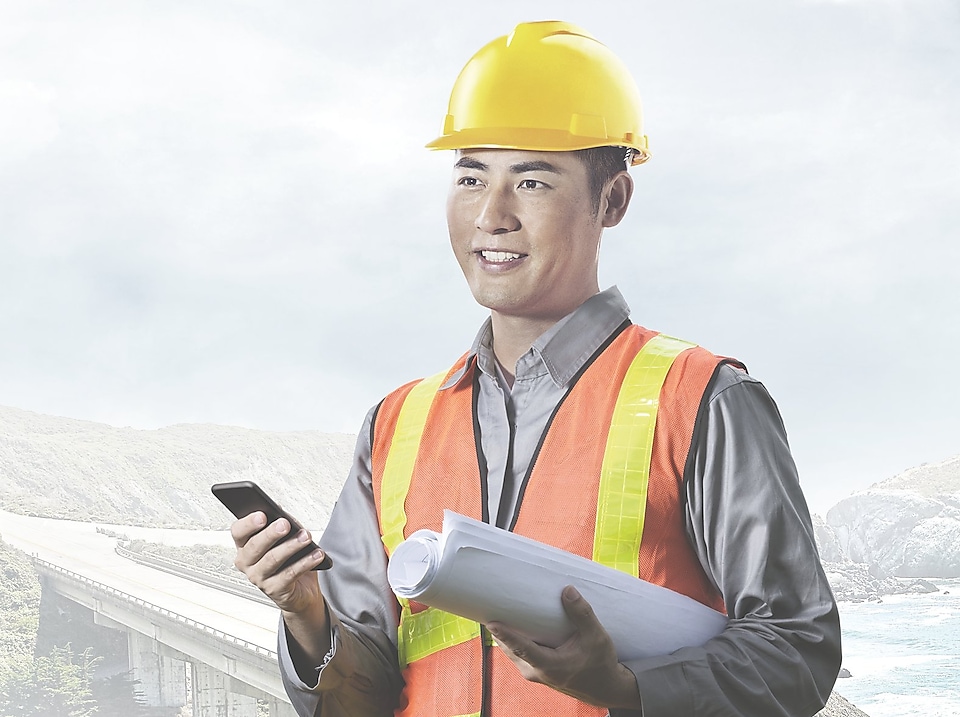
<point>243,528</point>
<point>578,609</point>
<point>288,547</point>
<point>284,575</point>
<point>279,545</point>
<point>517,647</point>
<point>251,554</point>
<point>295,590</point>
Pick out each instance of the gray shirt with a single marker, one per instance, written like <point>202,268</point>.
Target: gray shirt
<point>744,514</point>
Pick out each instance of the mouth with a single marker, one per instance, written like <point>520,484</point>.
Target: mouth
<point>490,256</point>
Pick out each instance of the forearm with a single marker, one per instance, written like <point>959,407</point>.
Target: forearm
<point>363,676</point>
<point>355,680</point>
<point>308,639</point>
<point>749,670</point>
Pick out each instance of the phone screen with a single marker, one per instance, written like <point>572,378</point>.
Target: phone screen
<point>245,497</point>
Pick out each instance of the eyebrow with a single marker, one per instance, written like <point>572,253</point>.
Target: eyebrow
<point>471,163</point>
<point>536,165</point>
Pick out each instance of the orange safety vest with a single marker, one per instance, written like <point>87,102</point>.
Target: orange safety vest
<point>579,493</point>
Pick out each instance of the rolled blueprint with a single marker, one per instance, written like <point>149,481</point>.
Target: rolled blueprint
<point>487,574</point>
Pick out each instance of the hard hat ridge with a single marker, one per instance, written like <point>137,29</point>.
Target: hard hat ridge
<point>548,86</point>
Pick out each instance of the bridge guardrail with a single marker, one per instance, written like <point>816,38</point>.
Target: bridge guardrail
<point>211,578</point>
<point>156,609</point>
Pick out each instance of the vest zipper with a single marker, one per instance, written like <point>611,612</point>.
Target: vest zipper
<point>485,677</point>
<point>536,452</point>
<point>478,446</point>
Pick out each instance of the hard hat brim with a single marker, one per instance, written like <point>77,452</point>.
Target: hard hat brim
<point>535,140</point>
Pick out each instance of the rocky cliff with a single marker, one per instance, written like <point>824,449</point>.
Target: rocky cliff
<point>907,526</point>
<point>837,706</point>
<point>857,582</point>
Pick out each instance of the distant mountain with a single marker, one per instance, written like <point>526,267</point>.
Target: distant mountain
<point>66,468</point>
<point>907,526</point>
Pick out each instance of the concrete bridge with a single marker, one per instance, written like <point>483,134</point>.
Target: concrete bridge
<point>190,644</point>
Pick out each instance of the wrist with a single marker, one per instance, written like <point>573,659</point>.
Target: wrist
<point>308,634</point>
<point>625,693</point>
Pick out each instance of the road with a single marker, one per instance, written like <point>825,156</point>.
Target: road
<point>78,547</point>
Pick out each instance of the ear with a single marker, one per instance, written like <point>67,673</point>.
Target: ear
<point>616,199</point>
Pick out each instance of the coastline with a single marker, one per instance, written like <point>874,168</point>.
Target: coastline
<point>902,651</point>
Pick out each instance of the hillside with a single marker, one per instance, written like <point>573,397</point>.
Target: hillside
<point>907,526</point>
<point>67,468</point>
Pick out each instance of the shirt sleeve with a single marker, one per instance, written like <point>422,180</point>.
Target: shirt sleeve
<point>749,524</point>
<point>362,677</point>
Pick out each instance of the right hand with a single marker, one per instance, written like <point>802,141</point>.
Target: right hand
<point>262,550</point>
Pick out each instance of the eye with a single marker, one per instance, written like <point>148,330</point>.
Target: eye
<point>468,182</point>
<point>531,184</point>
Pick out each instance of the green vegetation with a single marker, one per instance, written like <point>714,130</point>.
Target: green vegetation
<point>19,605</point>
<point>216,558</point>
<point>54,685</point>
<point>60,683</point>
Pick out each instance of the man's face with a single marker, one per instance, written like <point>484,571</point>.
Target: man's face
<point>524,231</point>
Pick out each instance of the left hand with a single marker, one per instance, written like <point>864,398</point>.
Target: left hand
<point>584,667</point>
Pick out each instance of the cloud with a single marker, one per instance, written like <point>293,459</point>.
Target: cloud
<point>28,122</point>
<point>223,212</point>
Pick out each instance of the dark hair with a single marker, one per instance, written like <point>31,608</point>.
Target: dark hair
<point>602,163</point>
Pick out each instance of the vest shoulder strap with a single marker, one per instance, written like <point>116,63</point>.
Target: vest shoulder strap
<point>402,456</point>
<point>625,471</point>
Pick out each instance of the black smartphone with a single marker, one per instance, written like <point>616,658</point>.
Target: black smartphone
<point>244,497</point>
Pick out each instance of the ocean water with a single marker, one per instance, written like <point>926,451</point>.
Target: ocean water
<point>904,654</point>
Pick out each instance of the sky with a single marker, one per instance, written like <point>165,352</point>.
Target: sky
<point>222,212</point>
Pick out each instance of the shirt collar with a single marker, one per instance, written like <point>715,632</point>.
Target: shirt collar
<point>562,349</point>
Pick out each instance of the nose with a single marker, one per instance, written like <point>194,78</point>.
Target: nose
<point>497,215</point>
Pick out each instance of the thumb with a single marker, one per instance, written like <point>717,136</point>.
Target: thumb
<point>577,608</point>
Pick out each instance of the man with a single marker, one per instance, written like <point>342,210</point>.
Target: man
<point>566,423</point>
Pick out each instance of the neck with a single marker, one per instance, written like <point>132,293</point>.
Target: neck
<point>513,337</point>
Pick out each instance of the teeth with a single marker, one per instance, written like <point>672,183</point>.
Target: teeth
<point>499,256</point>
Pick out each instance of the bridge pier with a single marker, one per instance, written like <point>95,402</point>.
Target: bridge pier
<point>162,671</point>
<point>169,678</point>
<point>280,708</point>
<point>215,695</point>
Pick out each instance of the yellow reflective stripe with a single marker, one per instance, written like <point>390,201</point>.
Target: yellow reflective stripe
<point>431,630</point>
<point>401,457</point>
<point>625,472</point>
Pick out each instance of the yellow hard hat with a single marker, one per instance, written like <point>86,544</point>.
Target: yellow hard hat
<point>547,86</point>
